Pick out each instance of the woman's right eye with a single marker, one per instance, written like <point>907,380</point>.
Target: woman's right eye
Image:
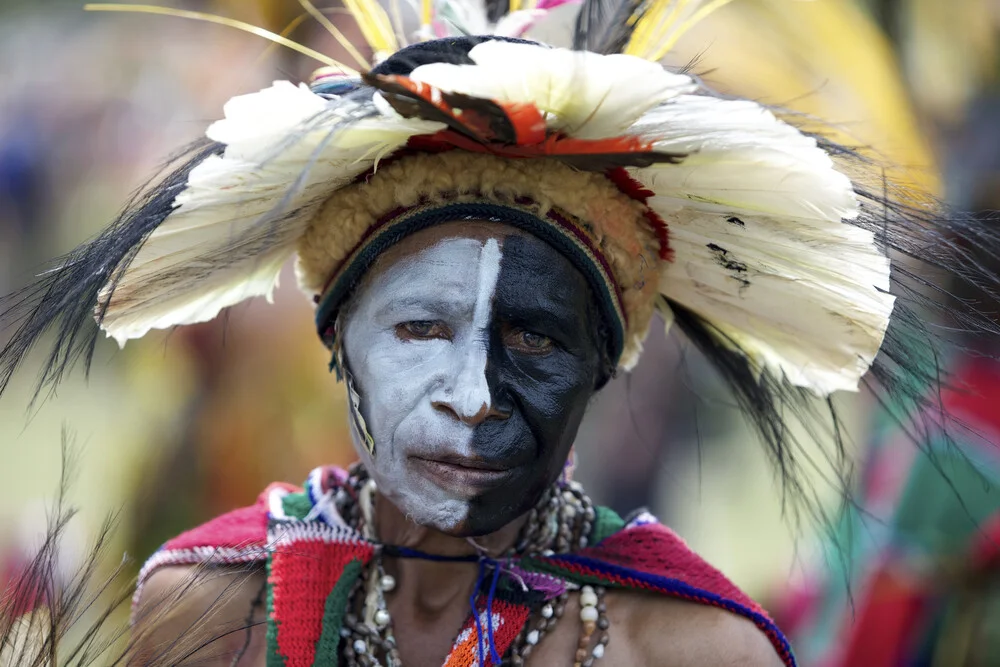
<point>423,330</point>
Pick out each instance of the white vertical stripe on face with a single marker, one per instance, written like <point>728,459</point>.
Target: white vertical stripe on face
<point>471,392</point>
<point>400,381</point>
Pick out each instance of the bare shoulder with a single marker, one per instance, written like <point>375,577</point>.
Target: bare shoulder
<point>667,631</point>
<point>208,615</point>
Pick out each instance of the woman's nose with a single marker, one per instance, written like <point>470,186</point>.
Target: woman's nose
<point>468,395</point>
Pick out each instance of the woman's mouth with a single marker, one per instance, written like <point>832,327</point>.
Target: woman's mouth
<point>465,474</point>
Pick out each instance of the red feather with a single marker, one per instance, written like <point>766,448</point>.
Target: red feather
<point>484,120</point>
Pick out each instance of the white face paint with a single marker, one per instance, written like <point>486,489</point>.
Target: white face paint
<point>416,343</point>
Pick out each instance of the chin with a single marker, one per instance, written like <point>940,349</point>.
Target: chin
<point>490,513</point>
<point>475,524</point>
<point>435,508</point>
<point>429,506</point>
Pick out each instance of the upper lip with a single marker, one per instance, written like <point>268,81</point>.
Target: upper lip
<point>468,462</point>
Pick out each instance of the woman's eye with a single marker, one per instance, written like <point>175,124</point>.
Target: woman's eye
<point>423,330</point>
<point>527,341</point>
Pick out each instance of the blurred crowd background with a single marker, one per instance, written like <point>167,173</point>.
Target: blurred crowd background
<point>184,425</point>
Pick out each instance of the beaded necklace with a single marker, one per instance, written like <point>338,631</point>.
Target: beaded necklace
<point>561,522</point>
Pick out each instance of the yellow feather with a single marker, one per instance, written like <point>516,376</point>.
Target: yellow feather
<point>515,5</point>
<point>653,20</point>
<point>374,24</point>
<point>426,15</point>
<point>292,26</point>
<point>678,32</point>
<point>222,20</point>
<point>647,17</point>
<point>333,30</point>
<point>662,22</point>
<point>397,19</point>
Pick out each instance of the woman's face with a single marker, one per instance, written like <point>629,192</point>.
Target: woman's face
<point>474,350</point>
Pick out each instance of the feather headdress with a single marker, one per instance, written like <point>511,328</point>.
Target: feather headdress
<point>769,247</point>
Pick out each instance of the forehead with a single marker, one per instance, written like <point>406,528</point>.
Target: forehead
<point>448,260</point>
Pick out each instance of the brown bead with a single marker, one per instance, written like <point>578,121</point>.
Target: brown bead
<point>603,623</point>
<point>588,628</point>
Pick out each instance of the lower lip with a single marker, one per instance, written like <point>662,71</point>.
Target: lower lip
<point>461,478</point>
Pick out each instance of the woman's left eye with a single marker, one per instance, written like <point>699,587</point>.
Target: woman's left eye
<point>528,341</point>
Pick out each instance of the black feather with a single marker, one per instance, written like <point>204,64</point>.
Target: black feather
<point>605,26</point>
<point>65,299</point>
<point>50,615</point>
<point>933,250</point>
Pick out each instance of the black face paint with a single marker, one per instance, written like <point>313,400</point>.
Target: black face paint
<point>539,295</point>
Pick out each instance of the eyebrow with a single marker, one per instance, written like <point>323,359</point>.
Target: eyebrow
<point>438,307</point>
<point>557,315</point>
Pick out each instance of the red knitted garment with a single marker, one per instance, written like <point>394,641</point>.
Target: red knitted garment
<point>301,578</point>
<point>647,556</point>
<point>652,557</point>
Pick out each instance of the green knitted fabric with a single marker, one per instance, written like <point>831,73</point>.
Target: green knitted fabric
<point>333,615</point>
<point>606,523</point>
<point>274,659</point>
<point>297,505</point>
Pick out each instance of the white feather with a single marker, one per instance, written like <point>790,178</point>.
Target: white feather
<point>804,299</point>
<point>756,214</point>
<point>244,197</point>
<point>585,95</point>
<point>742,159</point>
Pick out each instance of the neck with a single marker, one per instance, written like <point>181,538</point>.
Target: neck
<point>435,585</point>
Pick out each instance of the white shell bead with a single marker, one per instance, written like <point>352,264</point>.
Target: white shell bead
<point>533,637</point>
<point>588,598</point>
<point>388,582</point>
<point>382,618</point>
<point>588,614</point>
<point>360,646</point>
<point>547,611</point>
<point>599,651</point>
